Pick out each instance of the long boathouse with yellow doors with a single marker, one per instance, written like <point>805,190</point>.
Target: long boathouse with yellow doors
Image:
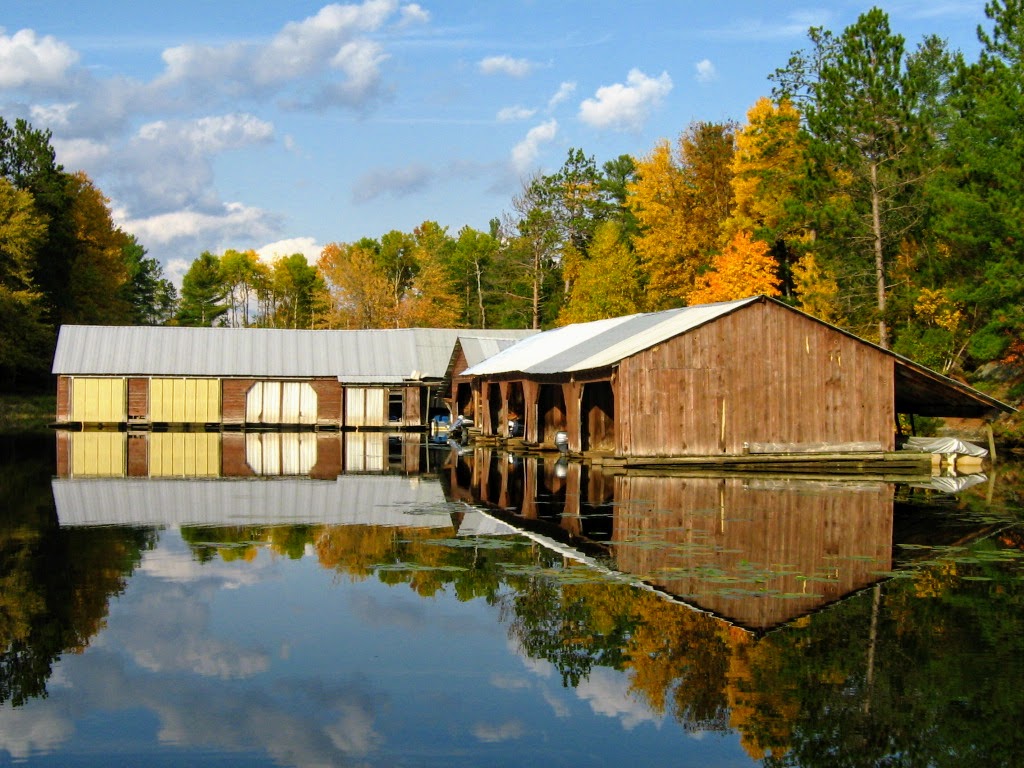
<point>736,382</point>
<point>152,377</point>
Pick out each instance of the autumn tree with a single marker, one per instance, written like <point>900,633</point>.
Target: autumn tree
<point>359,293</point>
<point>98,270</point>
<point>243,274</point>
<point>299,299</point>
<point>681,202</point>
<point>768,168</point>
<point>608,282</point>
<point>744,268</point>
<point>24,330</point>
<point>431,300</point>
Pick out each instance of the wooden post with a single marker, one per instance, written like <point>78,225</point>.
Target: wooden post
<point>991,443</point>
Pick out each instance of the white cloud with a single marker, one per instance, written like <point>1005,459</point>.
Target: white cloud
<point>505,65</point>
<point>413,13</point>
<point>565,90</point>
<point>76,154</point>
<point>526,152</point>
<point>706,71</point>
<point>27,60</point>
<point>509,114</point>
<point>307,246</point>
<point>626,106</point>
<point>234,221</point>
<point>336,37</point>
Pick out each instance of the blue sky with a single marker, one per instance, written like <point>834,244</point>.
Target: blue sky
<point>284,126</point>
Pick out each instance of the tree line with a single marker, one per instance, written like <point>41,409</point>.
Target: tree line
<point>878,187</point>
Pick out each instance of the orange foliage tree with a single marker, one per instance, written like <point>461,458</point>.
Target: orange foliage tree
<point>744,268</point>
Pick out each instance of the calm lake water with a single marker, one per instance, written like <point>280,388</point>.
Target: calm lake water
<point>322,600</point>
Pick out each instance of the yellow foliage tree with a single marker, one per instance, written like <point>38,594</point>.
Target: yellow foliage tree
<point>680,203</point>
<point>817,290</point>
<point>744,268</point>
<point>360,294</point>
<point>607,284</point>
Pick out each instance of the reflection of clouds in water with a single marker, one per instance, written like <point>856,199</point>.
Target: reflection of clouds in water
<point>389,613</point>
<point>31,729</point>
<point>174,562</point>
<point>509,682</point>
<point>170,632</point>
<point>492,734</point>
<point>305,723</point>
<point>607,692</point>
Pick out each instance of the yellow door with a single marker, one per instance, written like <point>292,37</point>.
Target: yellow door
<point>95,400</point>
<point>184,401</point>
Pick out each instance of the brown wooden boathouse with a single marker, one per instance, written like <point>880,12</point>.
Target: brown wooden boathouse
<point>745,378</point>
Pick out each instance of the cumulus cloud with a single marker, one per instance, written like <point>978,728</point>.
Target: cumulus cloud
<point>414,14</point>
<point>706,71</point>
<point>626,106</point>
<point>564,92</point>
<point>396,182</point>
<point>509,114</point>
<point>505,65</point>
<point>234,221</point>
<point>27,60</point>
<point>168,165</point>
<point>307,246</point>
<point>526,152</point>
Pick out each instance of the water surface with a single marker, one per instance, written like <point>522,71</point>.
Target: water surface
<point>334,600</point>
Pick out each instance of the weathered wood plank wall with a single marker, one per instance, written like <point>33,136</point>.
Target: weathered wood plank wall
<point>764,375</point>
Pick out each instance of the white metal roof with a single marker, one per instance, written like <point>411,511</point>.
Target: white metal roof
<point>367,356</point>
<point>387,500</point>
<point>587,346</point>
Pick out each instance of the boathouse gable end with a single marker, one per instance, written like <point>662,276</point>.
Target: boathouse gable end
<point>764,377</point>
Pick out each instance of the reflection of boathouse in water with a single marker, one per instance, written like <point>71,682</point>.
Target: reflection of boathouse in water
<point>756,550</point>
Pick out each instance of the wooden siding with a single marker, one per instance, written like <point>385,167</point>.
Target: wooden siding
<point>785,548</point>
<point>763,374</point>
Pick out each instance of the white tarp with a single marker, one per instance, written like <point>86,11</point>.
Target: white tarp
<point>944,445</point>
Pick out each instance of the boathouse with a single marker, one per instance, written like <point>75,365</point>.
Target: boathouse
<point>733,379</point>
<point>144,377</point>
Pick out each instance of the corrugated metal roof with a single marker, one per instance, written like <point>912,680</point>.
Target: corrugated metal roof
<point>588,346</point>
<point>364,356</point>
<point>387,500</point>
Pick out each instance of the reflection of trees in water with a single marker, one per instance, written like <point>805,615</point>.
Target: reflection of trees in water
<point>55,583</point>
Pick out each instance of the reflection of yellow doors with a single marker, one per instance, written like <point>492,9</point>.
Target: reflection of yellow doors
<point>95,401</point>
<point>184,401</point>
<point>98,454</point>
<point>184,454</point>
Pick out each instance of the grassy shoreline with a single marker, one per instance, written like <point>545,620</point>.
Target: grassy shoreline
<point>26,414</point>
